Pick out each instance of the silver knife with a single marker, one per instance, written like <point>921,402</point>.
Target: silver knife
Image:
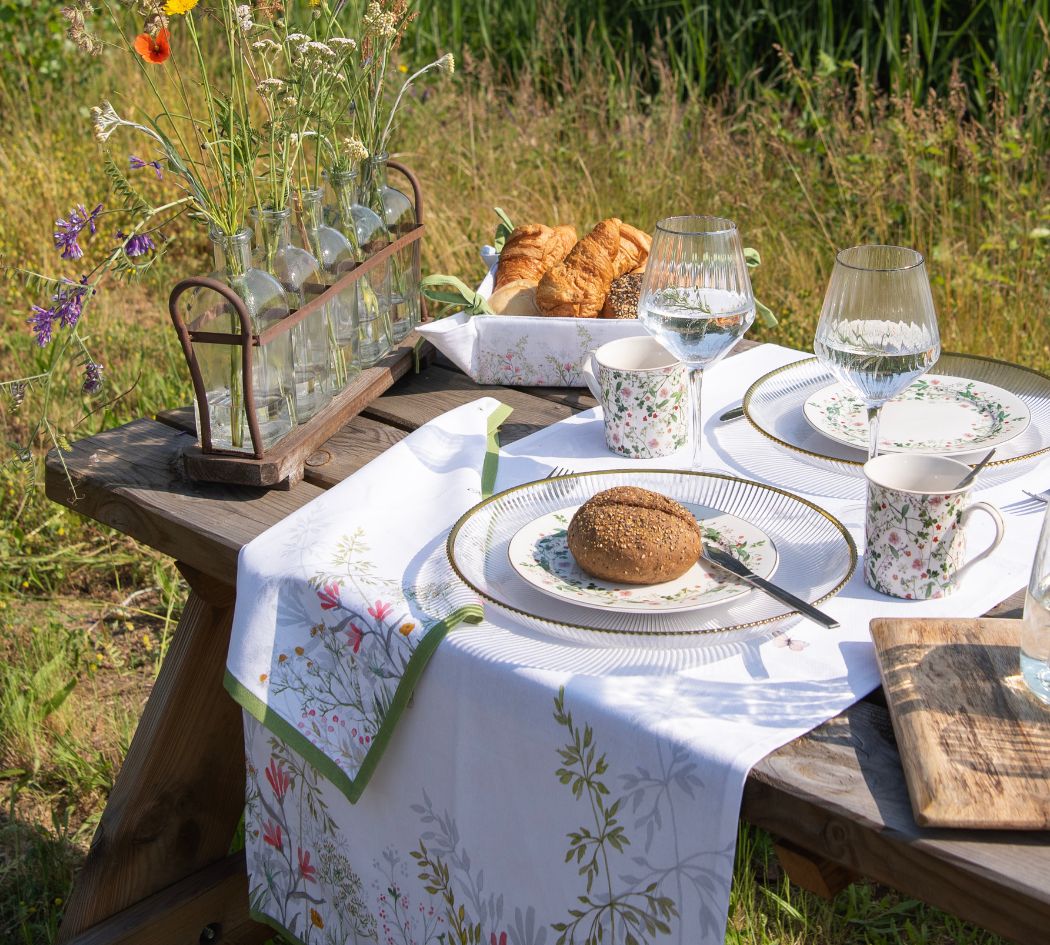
<point>735,414</point>
<point>728,563</point>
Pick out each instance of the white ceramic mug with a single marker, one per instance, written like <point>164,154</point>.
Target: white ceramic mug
<point>643,390</point>
<point>915,540</point>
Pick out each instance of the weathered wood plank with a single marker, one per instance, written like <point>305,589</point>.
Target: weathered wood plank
<point>180,791</point>
<point>975,745</point>
<point>127,478</point>
<point>209,906</point>
<point>421,397</point>
<point>840,790</point>
<point>360,441</point>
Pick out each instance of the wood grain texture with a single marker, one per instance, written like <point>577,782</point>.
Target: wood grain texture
<point>180,791</point>
<point>420,398</point>
<point>840,790</point>
<point>974,743</point>
<point>358,442</point>
<point>127,478</point>
<point>213,899</point>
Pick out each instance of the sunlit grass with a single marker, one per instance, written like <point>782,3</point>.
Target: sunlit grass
<point>806,165</point>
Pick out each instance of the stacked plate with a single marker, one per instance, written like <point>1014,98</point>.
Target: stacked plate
<point>511,550</point>
<point>963,407</point>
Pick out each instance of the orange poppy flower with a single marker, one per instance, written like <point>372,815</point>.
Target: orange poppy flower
<point>153,49</point>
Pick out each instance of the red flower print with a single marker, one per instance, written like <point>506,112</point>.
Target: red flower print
<point>309,872</point>
<point>329,595</point>
<point>916,565</point>
<point>502,940</point>
<point>626,391</point>
<point>354,636</point>
<point>278,779</point>
<point>380,610</point>
<point>272,835</point>
<point>893,538</point>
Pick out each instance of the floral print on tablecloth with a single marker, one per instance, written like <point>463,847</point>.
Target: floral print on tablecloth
<point>625,876</point>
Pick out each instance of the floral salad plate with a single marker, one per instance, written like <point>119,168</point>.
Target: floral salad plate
<point>937,414</point>
<point>539,553</point>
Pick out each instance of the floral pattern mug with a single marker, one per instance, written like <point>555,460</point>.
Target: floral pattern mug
<point>643,390</point>
<point>915,541</point>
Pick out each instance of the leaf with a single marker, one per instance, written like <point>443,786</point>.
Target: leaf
<point>132,200</point>
<point>765,314</point>
<point>463,295</point>
<point>503,229</point>
<point>59,697</point>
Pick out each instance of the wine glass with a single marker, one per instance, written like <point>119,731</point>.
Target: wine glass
<point>696,296</point>
<point>878,328</point>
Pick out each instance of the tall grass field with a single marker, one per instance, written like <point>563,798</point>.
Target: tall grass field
<point>815,124</point>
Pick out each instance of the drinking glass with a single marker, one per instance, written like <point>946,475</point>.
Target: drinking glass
<point>696,296</point>
<point>1035,630</point>
<point>878,329</point>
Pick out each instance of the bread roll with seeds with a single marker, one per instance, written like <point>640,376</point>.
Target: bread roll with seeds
<point>634,536</point>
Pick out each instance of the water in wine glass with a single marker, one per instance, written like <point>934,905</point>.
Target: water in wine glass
<point>698,324</point>
<point>877,358</point>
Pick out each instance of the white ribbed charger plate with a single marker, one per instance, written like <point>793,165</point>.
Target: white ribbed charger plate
<point>816,557</point>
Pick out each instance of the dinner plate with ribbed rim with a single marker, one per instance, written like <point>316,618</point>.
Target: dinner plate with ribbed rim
<point>816,557</point>
<point>539,553</point>
<point>774,406</point>
<point>936,414</point>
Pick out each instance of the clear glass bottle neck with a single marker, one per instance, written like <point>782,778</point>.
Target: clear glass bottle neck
<point>233,253</point>
<point>273,232</point>
<point>373,171</point>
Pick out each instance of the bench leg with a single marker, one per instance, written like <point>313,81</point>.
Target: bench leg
<point>180,792</point>
<point>812,872</point>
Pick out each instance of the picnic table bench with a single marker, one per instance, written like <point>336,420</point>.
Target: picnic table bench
<point>159,869</point>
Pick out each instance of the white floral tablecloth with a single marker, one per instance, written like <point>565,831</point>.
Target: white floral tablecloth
<point>533,792</point>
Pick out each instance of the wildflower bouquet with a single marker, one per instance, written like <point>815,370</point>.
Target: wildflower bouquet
<point>247,102</point>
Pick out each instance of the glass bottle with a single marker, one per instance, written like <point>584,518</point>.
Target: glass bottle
<point>300,275</point>
<point>368,234</point>
<point>336,256</point>
<point>220,365</point>
<point>1035,629</point>
<point>399,215</point>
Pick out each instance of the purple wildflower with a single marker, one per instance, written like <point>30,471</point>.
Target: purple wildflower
<point>137,245</point>
<point>67,304</point>
<point>92,377</point>
<point>68,233</point>
<point>137,163</point>
<point>41,321</point>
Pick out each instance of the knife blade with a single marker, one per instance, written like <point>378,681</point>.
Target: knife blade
<point>734,414</point>
<point>727,562</point>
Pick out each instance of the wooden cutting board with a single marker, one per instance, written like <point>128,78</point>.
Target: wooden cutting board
<point>974,743</point>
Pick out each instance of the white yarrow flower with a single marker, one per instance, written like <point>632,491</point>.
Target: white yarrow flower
<point>244,17</point>
<point>320,50</point>
<point>269,86</point>
<point>105,119</point>
<point>447,64</point>
<point>297,39</point>
<point>266,45</point>
<point>343,44</point>
<point>355,149</point>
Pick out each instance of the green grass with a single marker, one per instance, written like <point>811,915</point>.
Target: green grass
<point>562,113</point>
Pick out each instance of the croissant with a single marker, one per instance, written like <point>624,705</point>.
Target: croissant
<point>578,286</point>
<point>634,249</point>
<point>531,250</point>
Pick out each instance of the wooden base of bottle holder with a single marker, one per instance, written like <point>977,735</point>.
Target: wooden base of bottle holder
<point>283,465</point>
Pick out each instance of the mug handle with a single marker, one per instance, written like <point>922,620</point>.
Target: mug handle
<point>587,369</point>
<point>1000,530</point>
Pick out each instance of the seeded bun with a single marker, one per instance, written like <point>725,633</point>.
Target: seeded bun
<point>633,536</point>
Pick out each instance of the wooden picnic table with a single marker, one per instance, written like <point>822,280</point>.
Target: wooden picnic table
<point>159,869</point>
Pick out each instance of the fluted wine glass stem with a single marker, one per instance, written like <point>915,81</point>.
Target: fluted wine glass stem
<point>696,383</point>
<point>873,431</point>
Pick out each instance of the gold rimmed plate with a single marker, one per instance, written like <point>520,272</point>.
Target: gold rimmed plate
<point>775,405</point>
<point>816,557</point>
